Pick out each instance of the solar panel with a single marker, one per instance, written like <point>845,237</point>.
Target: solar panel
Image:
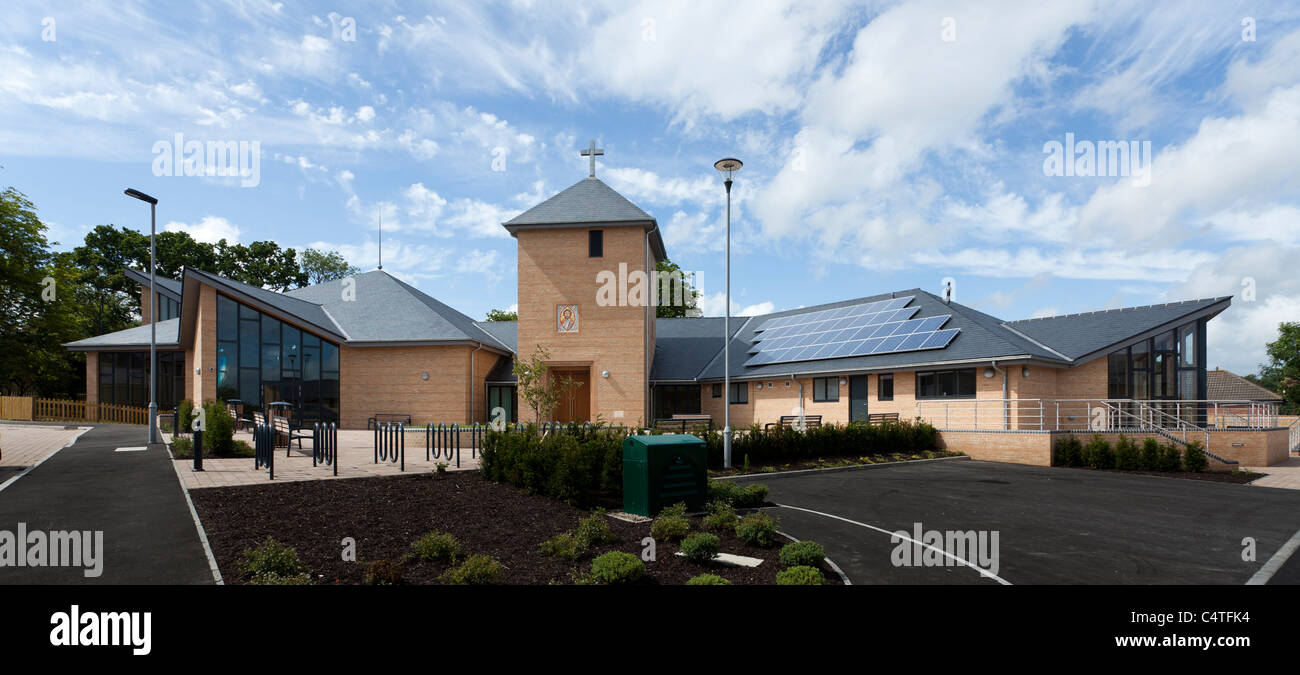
<point>879,327</point>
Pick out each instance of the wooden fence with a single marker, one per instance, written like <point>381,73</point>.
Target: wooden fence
<point>49,409</point>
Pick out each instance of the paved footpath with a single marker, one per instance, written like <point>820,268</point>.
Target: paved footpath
<point>133,497</point>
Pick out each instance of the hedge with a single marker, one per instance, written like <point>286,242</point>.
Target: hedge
<point>785,444</point>
<point>574,465</point>
<point>1126,455</point>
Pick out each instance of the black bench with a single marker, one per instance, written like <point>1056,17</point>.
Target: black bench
<point>809,422</point>
<point>880,418</point>
<point>388,417</point>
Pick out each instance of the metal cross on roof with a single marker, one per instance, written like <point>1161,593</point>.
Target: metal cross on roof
<point>591,152</point>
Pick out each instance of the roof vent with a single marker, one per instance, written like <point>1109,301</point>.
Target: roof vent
<point>949,285</point>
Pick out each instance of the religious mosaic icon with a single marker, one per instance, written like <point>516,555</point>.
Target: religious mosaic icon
<point>566,318</point>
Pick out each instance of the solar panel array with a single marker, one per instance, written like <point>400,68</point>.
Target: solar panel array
<point>879,327</point>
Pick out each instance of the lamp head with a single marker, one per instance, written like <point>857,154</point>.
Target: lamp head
<point>727,167</point>
<point>132,192</point>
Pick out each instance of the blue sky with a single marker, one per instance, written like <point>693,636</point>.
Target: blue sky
<point>886,145</point>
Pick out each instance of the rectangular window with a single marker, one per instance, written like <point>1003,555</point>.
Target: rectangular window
<point>826,389</point>
<point>885,387</point>
<point>1117,374</point>
<point>717,390</point>
<point>595,243</point>
<point>946,383</point>
<point>739,393</point>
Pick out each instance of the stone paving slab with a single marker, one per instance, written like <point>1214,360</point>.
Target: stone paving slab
<point>356,460</point>
<point>25,445</point>
<point>1285,475</point>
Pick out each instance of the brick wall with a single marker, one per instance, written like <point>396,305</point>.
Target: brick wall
<point>92,379</point>
<point>553,270</point>
<point>387,380</point>
<point>146,307</point>
<point>1016,447</point>
<point>202,355</point>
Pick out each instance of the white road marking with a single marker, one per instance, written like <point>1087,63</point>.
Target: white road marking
<point>133,448</point>
<point>983,572</point>
<point>1276,562</point>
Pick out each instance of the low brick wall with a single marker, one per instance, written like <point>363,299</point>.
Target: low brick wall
<point>1015,447</point>
<point>1255,447</point>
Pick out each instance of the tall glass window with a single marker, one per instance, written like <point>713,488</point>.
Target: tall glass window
<point>1166,366</point>
<point>262,360</point>
<point>124,378</point>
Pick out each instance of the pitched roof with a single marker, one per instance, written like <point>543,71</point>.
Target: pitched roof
<point>506,332</point>
<point>1221,385</point>
<point>166,285</point>
<point>383,308</point>
<point>131,337</point>
<point>982,337</point>
<point>310,313</point>
<point>683,347</point>
<point>589,201</point>
<point>1078,335</point>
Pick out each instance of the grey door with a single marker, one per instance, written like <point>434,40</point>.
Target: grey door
<point>858,398</point>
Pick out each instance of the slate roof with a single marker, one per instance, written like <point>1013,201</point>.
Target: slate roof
<point>166,285</point>
<point>506,332</point>
<point>1077,335</point>
<point>307,312</point>
<point>1221,385</point>
<point>589,201</point>
<point>683,347</point>
<point>168,332</point>
<point>387,309</point>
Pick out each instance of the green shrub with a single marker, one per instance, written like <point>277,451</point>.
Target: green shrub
<point>184,416</point>
<point>384,573</point>
<point>273,579</point>
<point>1099,453</point>
<point>477,570</point>
<point>781,445</point>
<point>1127,455</point>
<point>757,529</point>
<point>721,516</point>
<point>1069,451</point>
<point>738,495</point>
<point>219,431</point>
<point>669,528</point>
<point>594,530</point>
<point>271,557</point>
<point>1194,457</point>
<point>1150,455</point>
<point>802,553</point>
<point>1171,458</point>
<point>182,447</point>
<point>575,464</point>
<point>707,580</point>
<point>700,547</point>
<point>801,575</point>
<point>434,546</point>
<point>565,545</point>
<point>617,567</point>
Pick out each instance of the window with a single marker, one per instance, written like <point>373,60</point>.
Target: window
<point>826,389</point>
<point>675,399</point>
<point>261,360</point>
<point>167,308</point>
<point>595,243</point>
<point>946,383</point>
<point>502,397</point>
<point>717,390</point>
<point>1117,374</point>
<point>124,378</point>
<point>885,387</point>
<point>739,392</point>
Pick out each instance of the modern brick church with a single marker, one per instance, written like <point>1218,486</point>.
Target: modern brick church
<point>370,345</point>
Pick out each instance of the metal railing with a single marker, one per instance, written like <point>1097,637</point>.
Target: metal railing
<point>1096,414</point>
<point>1293,436</point>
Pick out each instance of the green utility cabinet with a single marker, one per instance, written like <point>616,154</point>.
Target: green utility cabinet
<point>660,471</point>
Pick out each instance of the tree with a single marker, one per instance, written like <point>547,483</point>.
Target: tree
<point>502,315</point>
<point>321,266</point>
<point>261,263</point>
<point>1282,372</point>
<point>671,305</point>
<point>38,310</point>
<point>535,385</point>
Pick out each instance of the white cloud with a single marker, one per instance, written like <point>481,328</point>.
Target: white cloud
<point>209,229</point>
<point>715,304</point>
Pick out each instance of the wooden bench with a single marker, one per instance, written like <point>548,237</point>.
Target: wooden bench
<point>809,422</point>
<point>240,422</point>
<point>880,418</point>
<point>281,426</point>
<point>684,423</point>
<point>388,417</point>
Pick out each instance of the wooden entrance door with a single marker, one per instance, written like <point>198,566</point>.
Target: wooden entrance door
<point>576,406</point>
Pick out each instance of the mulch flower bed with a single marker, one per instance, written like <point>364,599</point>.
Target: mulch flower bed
<point>829,462</point>
<point>385,514</point>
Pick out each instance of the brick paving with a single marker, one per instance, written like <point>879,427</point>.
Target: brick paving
<point>356,453</point>
<point>23,445</point>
